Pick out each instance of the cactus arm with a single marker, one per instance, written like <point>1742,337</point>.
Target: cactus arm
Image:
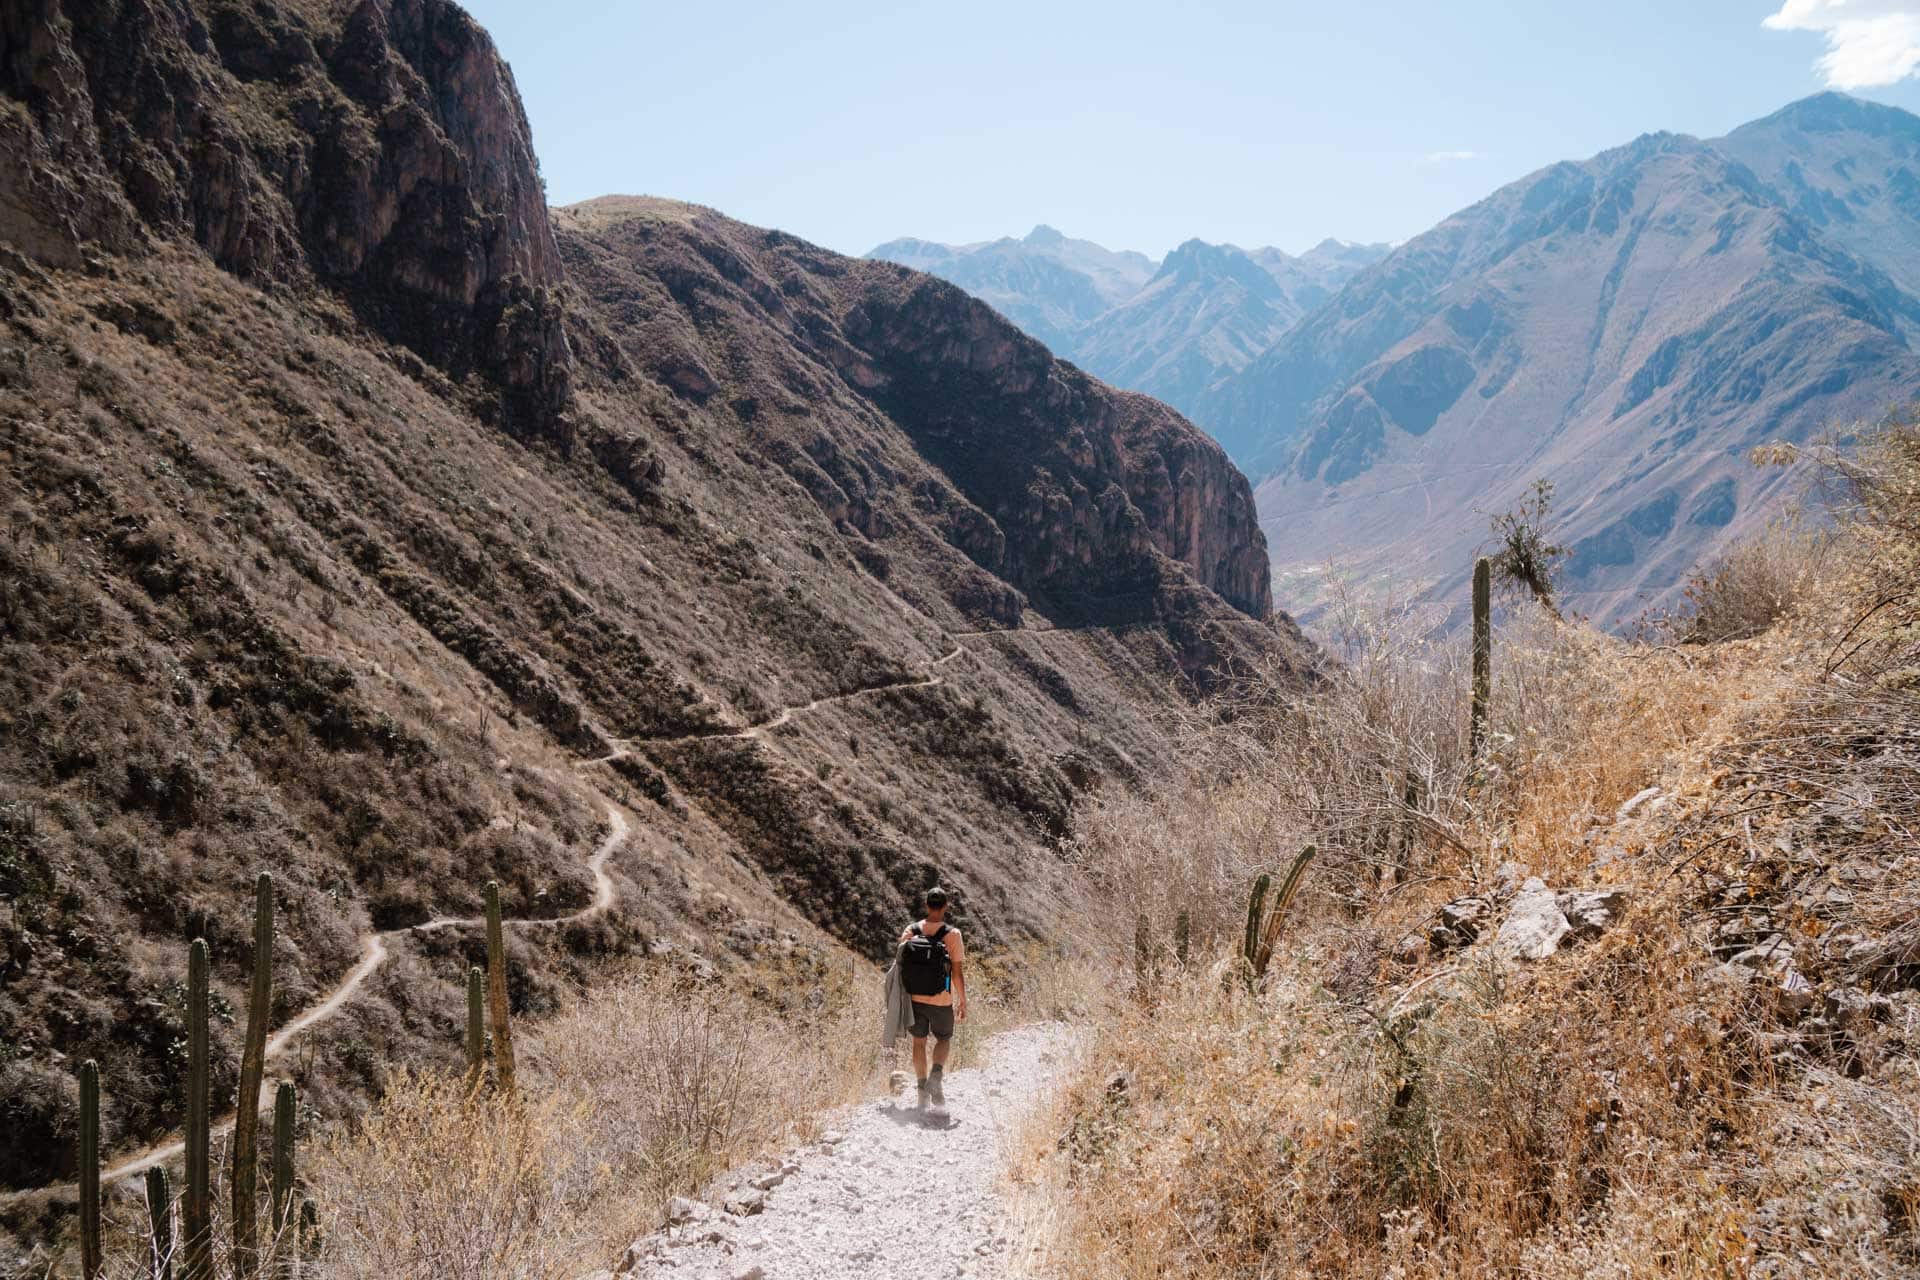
<point>246,1111</point>
<point>497,992</point>
<point>476,1027</point>
<point>90,1169</point>
<point>281,1211</point>
<point>197,1209</point>
<point>1270,935</point>
<point>1251,943</point>
<point>160,1221</point>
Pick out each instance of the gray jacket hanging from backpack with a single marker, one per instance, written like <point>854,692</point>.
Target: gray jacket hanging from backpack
<point>899,1008</point>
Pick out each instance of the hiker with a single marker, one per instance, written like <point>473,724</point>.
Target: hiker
<point>932,970</point>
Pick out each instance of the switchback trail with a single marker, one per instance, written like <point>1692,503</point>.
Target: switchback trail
<point>928,681</point>
<point>374,950</point>
<point>889,1191</point>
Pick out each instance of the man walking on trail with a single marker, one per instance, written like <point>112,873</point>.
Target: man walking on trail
<point>933,966</point>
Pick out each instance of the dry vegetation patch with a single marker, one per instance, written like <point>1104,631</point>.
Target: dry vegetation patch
<point>1720,1080</point>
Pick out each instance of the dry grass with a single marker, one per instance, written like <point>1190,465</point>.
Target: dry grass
<point>648,1089</point>
<point>1750,588</point>
<point>1636,1106</point>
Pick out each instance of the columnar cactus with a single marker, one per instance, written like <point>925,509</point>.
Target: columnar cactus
<point>1263,930</point>
<point>280,1212</point>
<point>476,1027</point>
<point>309,1230</point>
<point>197,1208</point>
<point>1409,820</point>
<point>497,992</point>
<point>246,1111</point>
<point>1482,656</point>
<point>89,1169</point>
<point>1250,944</point>
<point>160,1221</point>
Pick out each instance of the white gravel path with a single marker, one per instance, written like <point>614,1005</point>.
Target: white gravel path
<point>900,1193</point>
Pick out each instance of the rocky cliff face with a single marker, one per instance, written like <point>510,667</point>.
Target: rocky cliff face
<point>1091,487</point>
<point>376,149</point>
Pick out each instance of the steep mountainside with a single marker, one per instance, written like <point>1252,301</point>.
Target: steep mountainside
<point>1628,327</point>
<point>1172,332</point>
<point>368,525</point>
<point>1850,169</point>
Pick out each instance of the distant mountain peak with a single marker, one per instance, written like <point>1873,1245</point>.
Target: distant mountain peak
<point>1831,112</point>
<point>1044,234</point>
<point>1196,261</point>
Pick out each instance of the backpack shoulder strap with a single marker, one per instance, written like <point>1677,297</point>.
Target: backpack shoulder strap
<point>941,933</point>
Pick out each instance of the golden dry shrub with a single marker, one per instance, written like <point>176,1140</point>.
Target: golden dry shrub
<point>437,1182</point>
<point>647,1088</point>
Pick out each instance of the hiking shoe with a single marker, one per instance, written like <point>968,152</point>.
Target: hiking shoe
<point>935,1093</point>
<point>923,1091</point>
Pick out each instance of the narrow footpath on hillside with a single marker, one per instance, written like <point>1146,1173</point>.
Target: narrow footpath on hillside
<point>888,1190</point>
<point>375,951</point>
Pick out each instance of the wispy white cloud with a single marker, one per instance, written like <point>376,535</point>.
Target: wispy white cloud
<point>1869,42</point>
<point>1453,157</point>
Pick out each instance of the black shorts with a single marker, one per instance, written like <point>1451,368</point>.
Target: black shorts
<point>937,1018</point>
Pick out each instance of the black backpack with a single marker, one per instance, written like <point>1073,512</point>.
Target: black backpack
<point>924,962</point>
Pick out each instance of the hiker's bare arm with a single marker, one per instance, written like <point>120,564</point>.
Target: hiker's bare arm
<point>957,952</point>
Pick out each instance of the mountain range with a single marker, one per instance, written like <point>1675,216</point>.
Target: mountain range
<point>1169,328</point>
<point>1627,326</point>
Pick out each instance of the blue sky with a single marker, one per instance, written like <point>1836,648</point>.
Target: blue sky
<point>1138,126</point>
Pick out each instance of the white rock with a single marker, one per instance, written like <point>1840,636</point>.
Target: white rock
<point>1534,927</point>
<point>1590,911</point>
<point>747,1203</point>
<point>1507,879</point>
<point>681,1209</point>
<point>1626,810</point>
<point>768,1181</point>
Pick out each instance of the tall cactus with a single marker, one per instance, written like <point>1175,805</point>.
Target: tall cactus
<point>497,992</point>
<point>196,1211</point>
<point>1482,657</point>
<point>280,1212</point>
<point>1183,937</point>
<point>160,1221</point>
<point>246,1111</point>
<point>476,1027</point>
<point>89,1169</point>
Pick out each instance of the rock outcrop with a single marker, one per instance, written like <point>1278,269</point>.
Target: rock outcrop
<point>1088,484</point>
<point>380,152</point>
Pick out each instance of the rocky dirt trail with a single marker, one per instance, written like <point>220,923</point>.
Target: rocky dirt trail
<point>889,1190</point>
